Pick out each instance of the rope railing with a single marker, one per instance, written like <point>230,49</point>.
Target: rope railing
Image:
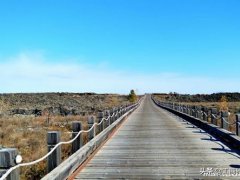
<point>203,113</point>
<point>115,114</point>
<point>228,122</point>
<point>216,116</point>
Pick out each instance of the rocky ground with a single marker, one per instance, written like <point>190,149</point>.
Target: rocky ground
<point>206,100</point>
<point>64,104</point>
<point>176,97</point>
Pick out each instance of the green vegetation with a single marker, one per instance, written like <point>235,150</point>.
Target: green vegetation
<point>132,97</point>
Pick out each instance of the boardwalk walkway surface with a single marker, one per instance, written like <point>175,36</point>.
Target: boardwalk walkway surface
<point>154,144</point>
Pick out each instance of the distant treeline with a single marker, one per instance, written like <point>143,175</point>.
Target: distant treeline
<point>231,97</point>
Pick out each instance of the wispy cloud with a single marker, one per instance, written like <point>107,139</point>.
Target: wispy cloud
<point>32,72</point>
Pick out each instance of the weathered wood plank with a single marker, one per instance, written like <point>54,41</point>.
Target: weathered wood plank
<point>67,167</point>
<point>155,144</point>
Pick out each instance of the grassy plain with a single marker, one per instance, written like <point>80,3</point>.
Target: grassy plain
<point>28,133</point>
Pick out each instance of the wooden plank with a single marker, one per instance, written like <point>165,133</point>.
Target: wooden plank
<point>67,167</point>
<point>155,144</point>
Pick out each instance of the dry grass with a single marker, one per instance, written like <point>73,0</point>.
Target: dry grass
<point>28,135</point>
<point>3,105</point>
<point>233,107</point>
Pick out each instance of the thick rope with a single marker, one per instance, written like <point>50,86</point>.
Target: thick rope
<point>62,143</point>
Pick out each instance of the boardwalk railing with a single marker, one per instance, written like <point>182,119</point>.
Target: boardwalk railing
<point>98,132</point>
<point>209,119</point>
<point>212,115</point>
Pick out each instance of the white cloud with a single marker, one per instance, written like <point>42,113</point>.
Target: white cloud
<point>28,72</point>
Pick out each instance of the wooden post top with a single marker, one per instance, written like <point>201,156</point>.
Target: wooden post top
<point>7,157</point>
<point>53,137</point>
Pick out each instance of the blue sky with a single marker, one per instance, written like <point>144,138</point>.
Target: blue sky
<point>188,46</point>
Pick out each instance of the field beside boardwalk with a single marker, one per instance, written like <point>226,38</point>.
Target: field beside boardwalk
<point>25,120</point>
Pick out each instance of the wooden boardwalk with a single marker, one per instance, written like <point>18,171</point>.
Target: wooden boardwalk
<point>154,144</point>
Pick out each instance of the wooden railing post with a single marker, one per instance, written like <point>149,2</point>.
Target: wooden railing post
<point>214,113</point>
<point>92,133</point>
<point>111,118</point>
<point>188,110</point>
<point>77,144</point>
<point>209,119</point>
<point>119,114</point>
<point>121,111</point>
<point>185,109</point>
<point>122,108</point>
<point>7,160</point>
<point>191,110</point>
<point>205,113</point>
<point>125,109</point>
<point>194,111</point>
<point>197,113</point>
<point>224,116</point>
<point>116,111</point>
<point>115,116</point>
<point>107,116</point>
<point>237,124</point>
<point>200,115</point>
<point>54,159</point>
<point>100,116</point>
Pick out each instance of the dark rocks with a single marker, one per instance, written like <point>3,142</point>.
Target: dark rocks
<point>63,104</point>
<point>35,112</point>
<point>175,97</point>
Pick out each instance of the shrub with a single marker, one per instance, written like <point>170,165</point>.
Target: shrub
<point>132,97</point>
<point>223,105</point>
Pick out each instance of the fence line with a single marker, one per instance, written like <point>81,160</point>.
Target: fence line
<point>114,115</point>
<point>204,113</point>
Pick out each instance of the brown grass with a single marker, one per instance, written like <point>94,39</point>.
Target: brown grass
<point>28,135</point>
